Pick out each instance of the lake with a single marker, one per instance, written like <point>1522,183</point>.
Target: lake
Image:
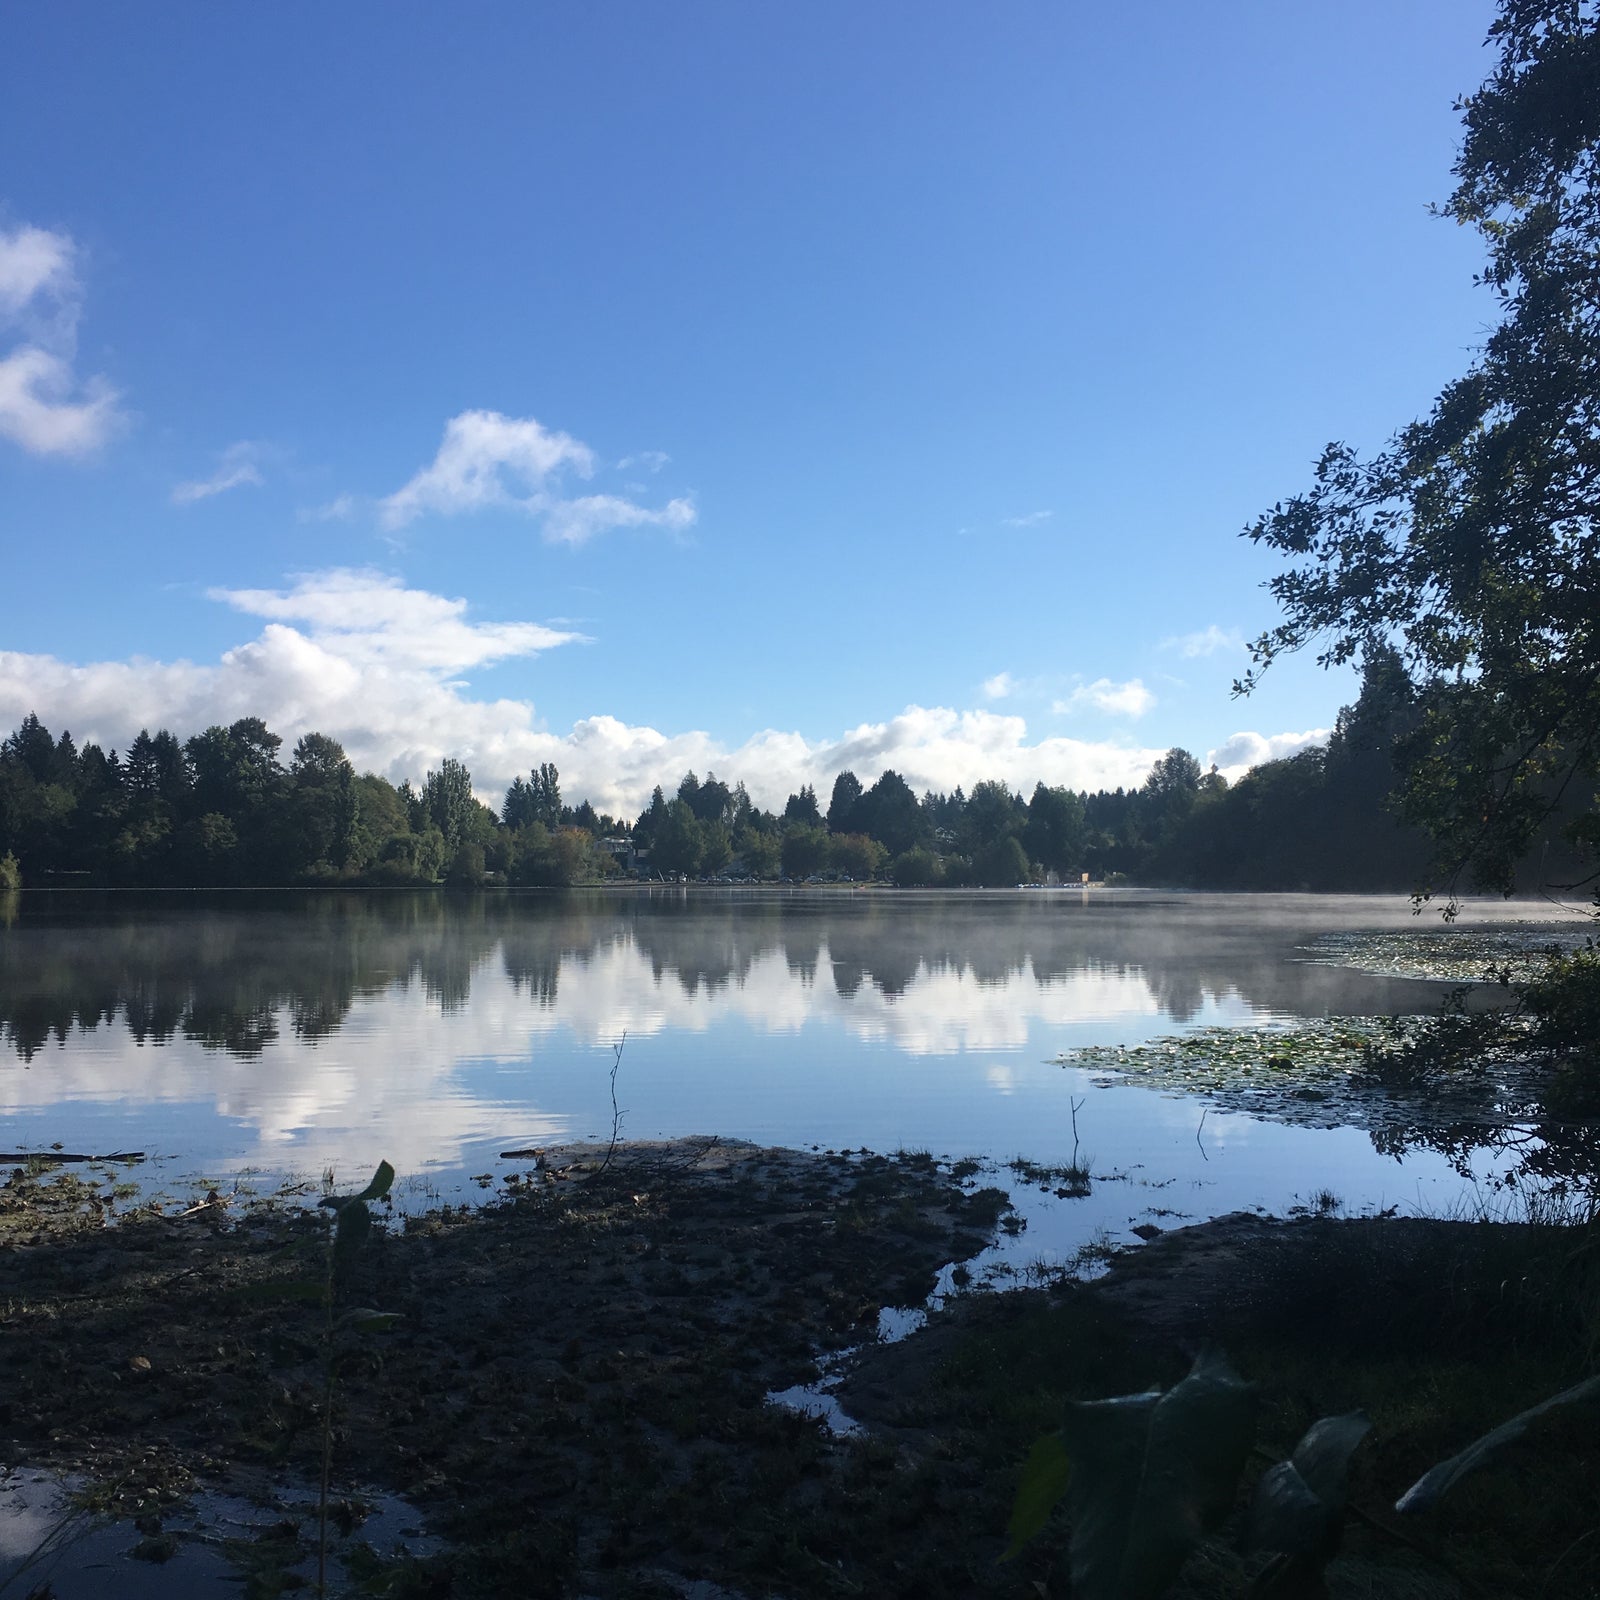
<point>285,1033</point>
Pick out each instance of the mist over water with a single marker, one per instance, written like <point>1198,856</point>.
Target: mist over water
<point>289,1032</point>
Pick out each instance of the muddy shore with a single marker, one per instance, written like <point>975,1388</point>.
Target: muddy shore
<point>572,1392</point>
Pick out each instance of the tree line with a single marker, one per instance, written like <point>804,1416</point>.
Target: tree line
<point>223,808</point>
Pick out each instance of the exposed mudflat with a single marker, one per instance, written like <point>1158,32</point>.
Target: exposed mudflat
<point>573,1393</point>
<point>574,1385</point>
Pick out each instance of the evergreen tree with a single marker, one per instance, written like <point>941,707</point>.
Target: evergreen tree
<point>842,804</point>
<point>802,808</point>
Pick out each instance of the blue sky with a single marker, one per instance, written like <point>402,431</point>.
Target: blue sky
<point>761,388</point>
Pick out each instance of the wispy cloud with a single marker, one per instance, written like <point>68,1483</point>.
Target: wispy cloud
<point>1206,642</point>
<point>999,686</point>
<point>35,265</point>
<point>576,521</point>
<point>488,460</point>
<point>238,467</point>
<point>44,406</point>
<point>1031,520</point>
<point>1130,699</point>
<point>650,460</point>
<point>342,508</point>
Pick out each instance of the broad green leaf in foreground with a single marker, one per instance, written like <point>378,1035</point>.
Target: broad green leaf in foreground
<point>1439,1480</point>
<point>376,1189</point>
<point>1150,1473</point>
<point>1299,1504</point>
<point>379,1187</point>
<point>1044,1481</point>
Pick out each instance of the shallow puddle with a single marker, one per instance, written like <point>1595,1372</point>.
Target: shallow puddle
<point>201,1549</point>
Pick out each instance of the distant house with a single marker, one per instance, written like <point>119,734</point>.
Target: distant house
<point>622,852</point>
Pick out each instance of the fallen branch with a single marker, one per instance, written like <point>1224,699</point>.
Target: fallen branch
<point>58,1157</point>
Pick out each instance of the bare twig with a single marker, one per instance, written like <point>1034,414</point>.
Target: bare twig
<point>616,1114</point>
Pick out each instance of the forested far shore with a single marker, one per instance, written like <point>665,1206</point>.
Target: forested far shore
<point>222,808</point>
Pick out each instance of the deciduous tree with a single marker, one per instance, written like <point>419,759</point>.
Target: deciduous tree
<point>1470,545</point>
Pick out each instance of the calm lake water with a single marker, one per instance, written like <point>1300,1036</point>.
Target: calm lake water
<point>293,1032</point>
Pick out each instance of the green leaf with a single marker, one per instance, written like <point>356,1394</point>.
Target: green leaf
<point>382,1179</point>
<point>1044,1481</point>
<point>379,1187</point>
<point>1299,1504</point>
<point>1439,1480</point>
<point>1151,1472</point>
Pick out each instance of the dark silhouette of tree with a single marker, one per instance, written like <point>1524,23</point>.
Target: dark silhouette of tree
<point>890,813</point>
<point>1056,829</point>
<point>648,827</point>
<point>33,749</point>
<point>677,845</point>
<point>1468,546</point>
<point>802,808</point>
<point>842,804</point>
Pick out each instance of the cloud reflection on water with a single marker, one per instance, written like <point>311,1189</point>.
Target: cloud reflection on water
<point>298,1030</point>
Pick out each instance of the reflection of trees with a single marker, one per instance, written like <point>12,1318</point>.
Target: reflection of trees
<point>230,970</point>
<point>220,969</point>
<point>234,972</point>
<point>1544,1131</point>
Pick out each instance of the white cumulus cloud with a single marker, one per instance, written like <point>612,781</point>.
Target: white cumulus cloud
<point>488,460</point>
<point>44,406</point>
<point>371,662</point>
<point>361,657</point>
<point>370,618</point>
<point>999,686</point>
<point>484,458</point>
<point>238,467</point>
<point>1234,757</point>
<point>1130,699</point>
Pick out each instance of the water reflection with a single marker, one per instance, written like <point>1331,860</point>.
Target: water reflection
<point>291,1030</point>
<point>241,973</point>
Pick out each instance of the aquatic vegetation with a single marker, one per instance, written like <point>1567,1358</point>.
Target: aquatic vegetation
<point>1470,1085</point>
<point>1506,952</point>
<point>1292,1070</point>
<point>1068,1180</point>
<point>1315,1073</point>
